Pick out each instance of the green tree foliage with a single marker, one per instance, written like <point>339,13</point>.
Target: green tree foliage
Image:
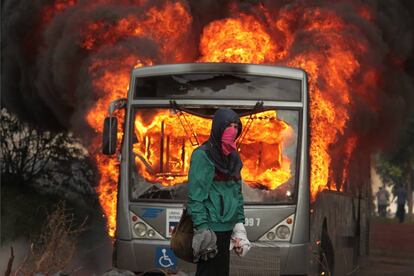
<point>397,167</point>
<point>394,165</point>
<point>389,171</point>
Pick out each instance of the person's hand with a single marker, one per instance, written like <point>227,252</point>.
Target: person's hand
<point>238,249</point>
<point>239,242</point>
<point>204,244</point>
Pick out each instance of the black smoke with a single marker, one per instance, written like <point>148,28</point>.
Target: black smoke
<point>45,77</point>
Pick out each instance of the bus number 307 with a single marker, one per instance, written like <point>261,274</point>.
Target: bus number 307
<point>251,222</point>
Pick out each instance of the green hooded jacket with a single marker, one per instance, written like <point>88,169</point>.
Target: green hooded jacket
<point>217,205</point>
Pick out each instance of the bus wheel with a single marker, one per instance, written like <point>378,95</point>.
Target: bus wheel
<point>114,255</point>
<point>326,253</point>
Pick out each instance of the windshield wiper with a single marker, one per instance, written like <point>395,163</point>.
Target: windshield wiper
<point>188,129</point>
<point>192,136</point>
<point>258,106</point>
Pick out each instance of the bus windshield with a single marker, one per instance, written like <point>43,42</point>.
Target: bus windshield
<point>163,139</point>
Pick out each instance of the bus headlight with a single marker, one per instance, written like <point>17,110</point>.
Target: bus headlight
<point>283,232</point>
<point>270,236</point>
<point>140,229</point>
<point>151,233</point>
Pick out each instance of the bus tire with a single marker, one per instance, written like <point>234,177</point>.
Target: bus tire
<point>114,255</point>
<point>326,252</point>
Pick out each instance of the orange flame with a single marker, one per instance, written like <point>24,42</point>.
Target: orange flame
<point>329,109</point>
<point>330,71</point>
<point>240,39</point>
<point>349,148</point>
<point>264,163</point>
<point>163,25</point>
<point>331,60</point>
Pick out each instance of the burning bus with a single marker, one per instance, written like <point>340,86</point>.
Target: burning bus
<point>168,114</point>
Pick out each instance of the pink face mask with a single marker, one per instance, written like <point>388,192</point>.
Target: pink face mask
<point>228,140</point>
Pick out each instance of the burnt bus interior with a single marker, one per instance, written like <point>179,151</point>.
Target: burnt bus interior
<point>163,137</point>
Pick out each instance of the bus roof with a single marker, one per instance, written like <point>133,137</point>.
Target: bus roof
<point>240,68</point>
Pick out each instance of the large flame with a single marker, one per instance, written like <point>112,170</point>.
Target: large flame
<point>321,43</point>
<point>329,72</point>
<point>237,40</point>
<point>165,143</point>
<point>111,79</point>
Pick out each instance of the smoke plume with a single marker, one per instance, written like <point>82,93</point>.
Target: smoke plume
<point>63,61</point>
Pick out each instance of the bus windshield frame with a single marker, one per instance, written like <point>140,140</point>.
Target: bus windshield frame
<point>276,106</point>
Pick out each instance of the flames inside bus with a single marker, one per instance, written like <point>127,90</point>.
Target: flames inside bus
<point>164,138</point>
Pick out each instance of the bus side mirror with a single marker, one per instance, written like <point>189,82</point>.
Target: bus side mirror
<point>109,139</point>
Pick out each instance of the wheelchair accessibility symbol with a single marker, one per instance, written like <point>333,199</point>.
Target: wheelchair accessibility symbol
<point>165,258</point>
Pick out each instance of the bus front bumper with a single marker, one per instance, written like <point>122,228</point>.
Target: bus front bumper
<point>270,258</point>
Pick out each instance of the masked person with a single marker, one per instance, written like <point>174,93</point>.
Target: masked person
<point>215,199</point>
